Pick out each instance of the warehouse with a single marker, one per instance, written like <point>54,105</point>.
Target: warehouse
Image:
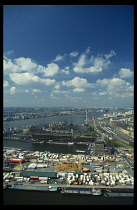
<point>39,174</point>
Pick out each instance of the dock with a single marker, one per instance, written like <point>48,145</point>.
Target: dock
<point>76,189</point>
<point>45,171</point>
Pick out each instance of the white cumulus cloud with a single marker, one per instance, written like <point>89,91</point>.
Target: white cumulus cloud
<point>9,52</point>
<point>60,92</point>
<point>18,65</point>
<point>26,91</point>
<point>125,73</point>
<point>111,54</point>
<point>93,64</point>
<point>36,91</point>
<point>9,66</point>
<point>52,96</point>
<point>12,90</point>
<point>28,78</point>
<point>79,90</point>
<point>59,58</point>
<point>102,93</point>
<point>57,85</point>
<point>77,82</point>
<point>116,87</point>
<point>6,83</point>
<point>73,54</point>
<point>65,71</point>
<point>21,64</point>
<point>51,70</point>
<point>25,64</point>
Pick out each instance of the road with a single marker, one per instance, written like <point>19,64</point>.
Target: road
<point>77,186</point>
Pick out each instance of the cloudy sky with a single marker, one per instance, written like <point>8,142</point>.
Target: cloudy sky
<point>68,55</point>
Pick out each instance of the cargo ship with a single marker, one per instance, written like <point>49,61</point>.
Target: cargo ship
<point>35,188</point>
<point>37,142</point>
<point>58,142</point>
<point>84,191</point>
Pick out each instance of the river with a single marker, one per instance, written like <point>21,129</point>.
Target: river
<point>13,197</point>
<point>76,120</point>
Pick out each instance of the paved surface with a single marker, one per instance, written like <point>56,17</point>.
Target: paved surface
<point>78,186</point>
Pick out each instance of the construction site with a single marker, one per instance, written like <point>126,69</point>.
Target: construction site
<point>68,166</point>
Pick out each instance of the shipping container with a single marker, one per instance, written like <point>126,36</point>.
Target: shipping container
<point>41,165</point>
<point>43,178</point>
<point>20,180</point>
<point>43,182</point>
<point>34,178</point>
<point>18,177</point>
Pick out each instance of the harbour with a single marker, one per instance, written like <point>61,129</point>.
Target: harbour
<point>57,172</point>
<point>70,197</point>
<point>90,185</point>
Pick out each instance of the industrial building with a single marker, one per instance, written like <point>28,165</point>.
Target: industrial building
<point>69,133</point>
<point>50,174</point>
<point>100,148</point>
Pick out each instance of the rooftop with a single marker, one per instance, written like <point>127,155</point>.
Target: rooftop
<point>39,173</point>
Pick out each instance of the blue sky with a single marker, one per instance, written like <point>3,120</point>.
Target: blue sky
<point>68,55</point>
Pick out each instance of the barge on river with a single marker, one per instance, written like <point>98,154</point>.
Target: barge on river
<point>85,191</point>
<point>35,188</point>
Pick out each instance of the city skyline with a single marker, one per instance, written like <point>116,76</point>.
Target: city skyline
<point>68,55</point>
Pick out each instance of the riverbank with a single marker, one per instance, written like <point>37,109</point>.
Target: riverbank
<point>73,189</point>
